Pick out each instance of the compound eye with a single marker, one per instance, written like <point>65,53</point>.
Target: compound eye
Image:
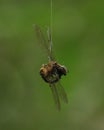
<point>41,72</point>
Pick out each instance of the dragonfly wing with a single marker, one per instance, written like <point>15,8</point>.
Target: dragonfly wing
<point>62,92</point>
<point>51,44</point>
<point>55,95</point>
<point>42,41</point>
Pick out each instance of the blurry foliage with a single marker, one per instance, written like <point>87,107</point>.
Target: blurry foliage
<point>78,35</point>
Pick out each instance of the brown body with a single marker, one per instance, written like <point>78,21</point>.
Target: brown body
<point>52,72</point>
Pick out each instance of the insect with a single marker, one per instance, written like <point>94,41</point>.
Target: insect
<point>52,72</point>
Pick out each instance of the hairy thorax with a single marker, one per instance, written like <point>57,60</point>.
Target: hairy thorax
<point>52,72</point>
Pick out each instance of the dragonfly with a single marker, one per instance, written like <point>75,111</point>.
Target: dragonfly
<point>52,72</point>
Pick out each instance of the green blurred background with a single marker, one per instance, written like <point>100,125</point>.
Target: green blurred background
<point>26,102</point>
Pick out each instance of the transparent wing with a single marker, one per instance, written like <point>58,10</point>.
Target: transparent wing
<point>51,44</point>
<point>61,92</point>
<point>55,95</point>
<point>43,42</point>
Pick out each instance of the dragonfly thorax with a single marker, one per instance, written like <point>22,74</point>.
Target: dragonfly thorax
<point>52,72</point>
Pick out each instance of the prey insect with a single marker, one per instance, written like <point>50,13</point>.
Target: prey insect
<point>52,72</point>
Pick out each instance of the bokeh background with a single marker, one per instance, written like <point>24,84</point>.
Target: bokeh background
<point>26,102</point>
